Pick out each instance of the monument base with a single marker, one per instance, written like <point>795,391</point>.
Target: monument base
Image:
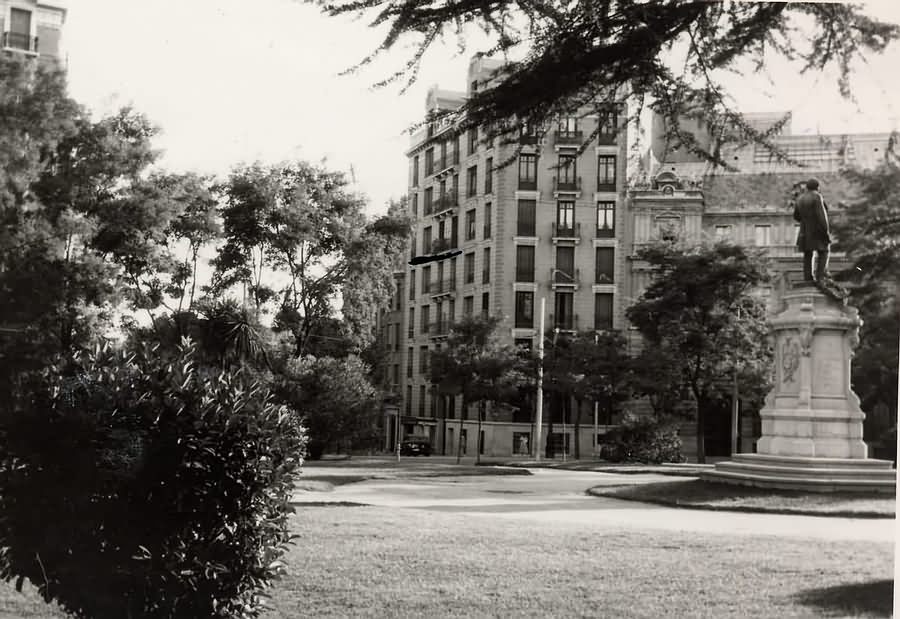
<point>811,474</point>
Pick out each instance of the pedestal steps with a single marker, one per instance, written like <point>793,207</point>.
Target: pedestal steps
<point>801,473</point>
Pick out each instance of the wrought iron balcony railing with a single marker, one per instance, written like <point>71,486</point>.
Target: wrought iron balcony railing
<point>563,231</point>
<point>562,277</point>
<point>440,245</point>
<point>527,185</point>
<point>569,138</point>
<point>442,286</point>
<point>19,40</point>
<point>567,184</point>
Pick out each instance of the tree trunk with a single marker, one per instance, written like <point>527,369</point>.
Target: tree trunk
<point>459,440</point>
<point>576,452</point>
<point>549,453</point>
<point>701,432</point>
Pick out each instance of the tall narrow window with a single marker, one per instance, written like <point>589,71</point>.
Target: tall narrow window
<point>19,34</point>
<point>422,400</point>
<point>454,231</point>
<point>606,173</point>
<point>527,171</point>
<point>763,235</point>
<point>605,265</point>
<point>426,279</point>
<point>565,218</point>
<point>454,190</point>
<point>429,162</point>
<point>473,140</point>
<point>563,317</point>
<point>415,204</point>
<point>524,263</point>
<point>415,171</point>
<point>606,213</point>
<point>456,149</point>
<point>603,311</point>
<point>409,362</point>
<point>524,310</point>
<point>487,220</point>
<point>443,155</point>
<point>470,225</point>
<point>472,181</point>
<point>409,398</point>
<point>525,218</point>
<point>485,304</point>
<point>428,205</point>
<point>486,266</point>
<point>425,319</point>
<point>452,273</point>
<point>608,122</point>
<point>468,306</point>
<point>567,174</point>
<point>565,264</point>
<point>412,285</point>
<point>411,324</point>
<point>426,241</point>
<point>568,127</point>
<point>489,175</point>
<point>469,267</point>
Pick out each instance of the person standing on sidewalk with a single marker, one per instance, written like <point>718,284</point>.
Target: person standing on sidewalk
<point>812,213</point>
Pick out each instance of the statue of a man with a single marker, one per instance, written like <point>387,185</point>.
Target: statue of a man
<point>812,213</point>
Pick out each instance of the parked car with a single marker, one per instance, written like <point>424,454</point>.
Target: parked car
<point>415,446</point>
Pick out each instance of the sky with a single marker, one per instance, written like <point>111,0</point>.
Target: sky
<point>231,82</point>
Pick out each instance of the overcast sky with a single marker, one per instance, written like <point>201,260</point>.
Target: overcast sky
<point>233,82</point>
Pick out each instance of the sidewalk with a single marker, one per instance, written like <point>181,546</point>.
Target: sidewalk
<point>687,469</point>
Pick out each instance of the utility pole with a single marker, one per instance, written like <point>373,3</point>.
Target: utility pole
<point>596,425</point>
<point>539,413</point>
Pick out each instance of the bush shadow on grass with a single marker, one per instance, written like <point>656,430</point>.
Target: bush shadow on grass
<point>875,598</point>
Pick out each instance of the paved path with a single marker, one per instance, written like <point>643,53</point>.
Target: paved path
<point>558,497</point>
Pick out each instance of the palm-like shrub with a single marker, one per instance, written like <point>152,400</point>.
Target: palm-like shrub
<point>135,487</point>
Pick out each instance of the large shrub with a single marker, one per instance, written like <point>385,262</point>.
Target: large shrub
<point>135,487</point>
<point>643,439</point>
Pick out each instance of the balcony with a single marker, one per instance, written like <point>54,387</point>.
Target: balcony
<point>442,288</point>
<point>566,322</point>
<point>606,138</point>
<point>570,139</point>
<point>569,185</point>
<point>440,328</point>
<point>20,41</point>
<point>570,233</point>
<point>528,184</point>
<point>441,245</point>
<point>444,205</point>
<point>561,278</point>
<point>606,185</point>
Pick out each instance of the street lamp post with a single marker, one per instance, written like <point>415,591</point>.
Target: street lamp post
<point>539,405</point>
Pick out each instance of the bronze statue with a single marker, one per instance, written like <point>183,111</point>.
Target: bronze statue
<point>812,213</point>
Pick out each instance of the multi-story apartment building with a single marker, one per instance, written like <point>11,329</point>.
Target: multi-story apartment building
<point>547,226</point>
<point>751,206</point>
<point>32,28</point>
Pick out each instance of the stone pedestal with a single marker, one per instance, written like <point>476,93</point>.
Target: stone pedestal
<point>812,425</point>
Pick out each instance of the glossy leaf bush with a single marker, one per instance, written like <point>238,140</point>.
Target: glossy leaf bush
<point>135,486</point>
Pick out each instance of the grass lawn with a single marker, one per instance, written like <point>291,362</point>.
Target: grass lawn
<point>380,562</point>
<point>699,494</point>
<point>317,477</point>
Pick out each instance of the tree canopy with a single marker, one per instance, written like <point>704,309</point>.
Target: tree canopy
<point>578,53</point>
<point>700,309</point>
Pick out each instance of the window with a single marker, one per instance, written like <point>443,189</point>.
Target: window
<point>442,196</point>
<point>409,362</point>
<point>454,231</point>
<point>415,171</point>
<point>426,241</point>
<point>456,149</point>
<point>473,140</point>
<point>603,311</point>
<point>524,310</point>
<point>606,212</point>
<point>452,273</point>
<point>415,204</point>
<point>412,248</point>
<point>605,265</point>
<point>408,402</point>
<point>425,317</point>
<point>421,400</point>
<point>606,173</point>
<point>525,218</point>
<point>396,338</point>
<point>19,34</point>
<point>426,279</point>
<point>395,374</point>
<point>489,175</point>
<point>723,233</point>
<point>565,265</point>
<point>763,235</point>
<point>487,220</point>
<point>562,311</point>
<point>469,267</point>
<point>423,359</point>
<point>470,224</point>
<point>608,121</point>
<point>567,172</point>
<point>485,304</point>
<point>472,181</point>
<point>565,218</point>
<point>451,311</point>
<point>442,229</point>
<point>486,267</point>
<point>429,162</point>
<point>468,306</point>
<point>443,155</point>
<point>568,127</point>
<point>527,171</point>
<point>524,263</point>
<point>454,189</point>
<point>428,201</point>
<point>411,326</point>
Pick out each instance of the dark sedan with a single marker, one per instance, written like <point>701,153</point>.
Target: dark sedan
<point>415,446</point>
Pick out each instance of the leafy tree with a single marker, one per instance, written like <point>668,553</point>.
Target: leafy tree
<point>656,375</point>
<point>575,53</point>
<point>334,396</point>
<point>477,363</point>
<point>700,308</point>
<point>868,229</point>
<point>170,481</point>
<point>301,223</point>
